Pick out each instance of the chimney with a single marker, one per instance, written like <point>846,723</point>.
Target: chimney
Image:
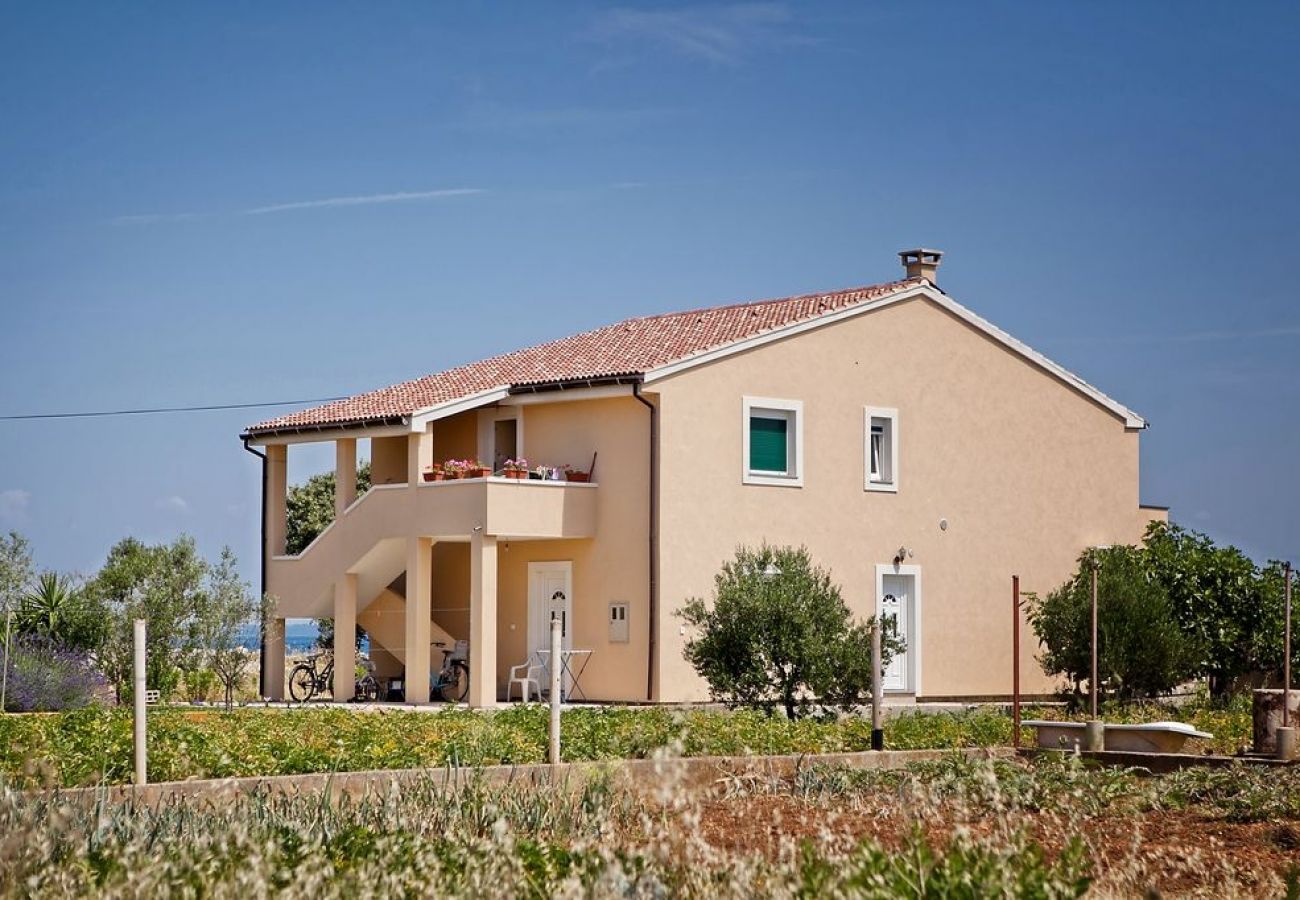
<point>921,263</point>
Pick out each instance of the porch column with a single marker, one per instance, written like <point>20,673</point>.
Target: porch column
<point>482,620</point>
<point>345,636</point>
<point>419,455</point>
<point>345,474</point>
<point>277,477</point>
<point>273,660</point>
<point>418,616</point>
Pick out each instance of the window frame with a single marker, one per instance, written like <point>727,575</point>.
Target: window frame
<point>793,413</point>
<point>889,445</point>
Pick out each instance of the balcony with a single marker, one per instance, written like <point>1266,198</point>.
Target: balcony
<point>369,539</point>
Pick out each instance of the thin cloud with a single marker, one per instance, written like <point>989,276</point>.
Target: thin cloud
<point>173,503</point>
<point>722,35</point>
<point>14,504</point>
<point>328,202</point>
<point>361,200</point>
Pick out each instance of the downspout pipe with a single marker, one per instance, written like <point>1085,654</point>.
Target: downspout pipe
<point>654,542</point>
<point>261,555</point>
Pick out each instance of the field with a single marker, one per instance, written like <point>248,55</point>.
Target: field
<point>953,828</point>
<point>93,745</point>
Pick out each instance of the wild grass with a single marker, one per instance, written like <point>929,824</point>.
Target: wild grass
<point>93,745</point>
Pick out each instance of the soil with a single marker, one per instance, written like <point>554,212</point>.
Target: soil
<point>1181,852</point>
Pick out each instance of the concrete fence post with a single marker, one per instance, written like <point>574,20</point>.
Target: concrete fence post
<point>138,697</point>
<point>556,668</point>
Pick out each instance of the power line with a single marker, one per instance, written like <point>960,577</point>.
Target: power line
<point>97,414</point>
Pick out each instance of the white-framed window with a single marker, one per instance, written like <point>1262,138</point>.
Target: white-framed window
<point>773,441</point>
<point>880,448</point>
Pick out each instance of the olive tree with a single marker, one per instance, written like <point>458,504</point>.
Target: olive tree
<point>779,634</point>
<point>225,607</point>
<point>1141,649</point>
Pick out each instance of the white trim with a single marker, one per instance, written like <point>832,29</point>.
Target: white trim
<point>569,394</point>
<point>914,641</point>
<point>1131,419</point>
<point>329,434</point>
<point>748,406</point>
<point>422,417</point>
<point>880,412</point>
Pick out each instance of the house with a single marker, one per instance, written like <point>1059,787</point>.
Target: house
<point>919,452</point>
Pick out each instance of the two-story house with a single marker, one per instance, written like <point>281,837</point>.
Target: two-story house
<point>920,453</point>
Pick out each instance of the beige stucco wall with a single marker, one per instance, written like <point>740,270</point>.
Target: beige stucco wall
<point>1026,471</point>
<point>388,460</point>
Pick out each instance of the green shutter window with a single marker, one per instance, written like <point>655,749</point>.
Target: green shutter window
<point>768,444</point>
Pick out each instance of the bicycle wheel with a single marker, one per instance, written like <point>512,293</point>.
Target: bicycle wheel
<point>456,688</point>
<point>302,683</point>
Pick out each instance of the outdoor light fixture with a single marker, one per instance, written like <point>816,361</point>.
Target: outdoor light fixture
<point>902,554</point>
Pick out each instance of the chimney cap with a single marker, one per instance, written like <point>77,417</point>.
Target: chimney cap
<point>921,262</point>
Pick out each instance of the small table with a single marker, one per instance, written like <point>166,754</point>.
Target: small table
<point>567,662</point>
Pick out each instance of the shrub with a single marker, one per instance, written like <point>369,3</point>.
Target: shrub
<point>45,676</point>
<point>780,634</point>
<point>1141,651</point>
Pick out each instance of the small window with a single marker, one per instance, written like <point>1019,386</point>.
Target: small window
<point>773,442</point>
<point>881,451</point>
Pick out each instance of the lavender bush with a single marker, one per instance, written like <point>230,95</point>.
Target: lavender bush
<point>45,676</point>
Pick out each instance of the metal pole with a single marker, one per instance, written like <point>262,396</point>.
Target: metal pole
<point>1286,651</point>
<point>1093,681</point>
<point>556,666</point>
<point>877,689</point>
<point>1015,660</point>
<point>140,751</point>
<point>4,676</point>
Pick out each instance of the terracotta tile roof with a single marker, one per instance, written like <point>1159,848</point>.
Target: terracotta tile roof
<point>631,347</point>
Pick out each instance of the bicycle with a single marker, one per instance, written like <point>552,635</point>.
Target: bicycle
<point>451,682</point>
<point>306,680</point>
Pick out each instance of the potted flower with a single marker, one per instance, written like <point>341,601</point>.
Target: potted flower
<point>434,473</point>
<point>454,469</point>
<point>576,475</point>
<point>516,468</point>
<point>476,469</point>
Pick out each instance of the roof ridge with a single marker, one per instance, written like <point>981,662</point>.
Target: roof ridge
<point>880,286</point>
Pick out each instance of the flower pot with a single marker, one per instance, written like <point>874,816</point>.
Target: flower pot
<point>483,472</point>
<point>578,477</point>
<point>434,476</point>
<point>517,475</point>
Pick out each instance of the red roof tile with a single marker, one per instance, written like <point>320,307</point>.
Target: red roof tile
<point>631,347</point>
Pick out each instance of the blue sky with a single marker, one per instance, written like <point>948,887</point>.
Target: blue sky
<point>243,202</point>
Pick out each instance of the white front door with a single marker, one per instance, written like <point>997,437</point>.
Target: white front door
<point>895,605</point>
<point>550,592</point>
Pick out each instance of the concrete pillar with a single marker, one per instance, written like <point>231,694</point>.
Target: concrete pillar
<point>482,620</point>
<point>345,636</point>
<point>277,484</point>
<point>345,474</point>
<point>419,582</point>
<point>273,660</point>
<point>419,455</point>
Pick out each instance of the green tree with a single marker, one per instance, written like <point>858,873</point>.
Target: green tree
<point>779,634</point>
<point>164,585</point>
<point>310,510</point>
<point>226,606</point>
<point>1226,605</point>
<point>1141,650</point>
<point>60,611</point>
<point>16,572</point>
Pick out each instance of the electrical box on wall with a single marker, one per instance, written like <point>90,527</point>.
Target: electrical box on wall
<point>618,623</point>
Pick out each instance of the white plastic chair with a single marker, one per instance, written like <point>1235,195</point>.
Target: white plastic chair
<point>528,675</point>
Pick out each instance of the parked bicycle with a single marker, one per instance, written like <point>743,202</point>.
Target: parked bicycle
<point>315,675</point>
<point>451,682</point>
